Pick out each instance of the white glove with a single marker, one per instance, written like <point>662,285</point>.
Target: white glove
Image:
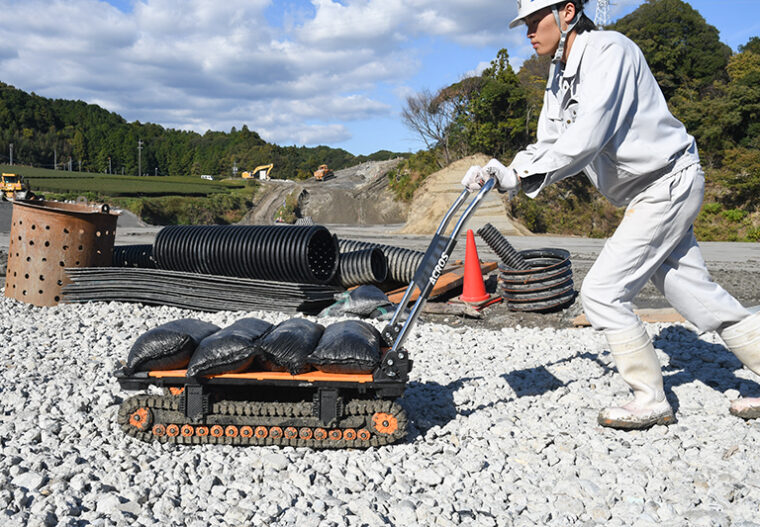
<point>474,179</point>
<point>506,177</point>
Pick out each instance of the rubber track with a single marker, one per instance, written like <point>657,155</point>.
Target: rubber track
<point>169,406</point>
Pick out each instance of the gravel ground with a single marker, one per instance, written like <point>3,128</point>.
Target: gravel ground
<point>502,432</point>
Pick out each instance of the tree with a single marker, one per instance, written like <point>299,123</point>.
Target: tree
<point>431,117</point>
<point>752,45</point>
<point>533,76</point>
<point>680,47</point>
<point>495,118</point>
<point>728,114</point>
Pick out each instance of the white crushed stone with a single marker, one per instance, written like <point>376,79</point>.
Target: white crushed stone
<point>502,432</point>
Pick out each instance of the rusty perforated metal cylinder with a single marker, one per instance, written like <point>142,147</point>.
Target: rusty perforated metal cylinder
<point>46,238</point>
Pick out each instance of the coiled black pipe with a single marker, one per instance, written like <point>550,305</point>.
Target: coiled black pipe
<point>367,266</point>
<point>501,246</point>
<point>301,254</point>
<point>133,256</point>
<point>402,263</point>
<point>546,286</point>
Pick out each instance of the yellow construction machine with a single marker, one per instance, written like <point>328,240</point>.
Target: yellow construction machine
<point>322,173</point>
<point>260,172</point>
<point>14,187</point>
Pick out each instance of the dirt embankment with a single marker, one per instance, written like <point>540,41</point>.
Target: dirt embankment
<point>441,189</point>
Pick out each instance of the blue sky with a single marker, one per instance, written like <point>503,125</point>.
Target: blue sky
<point>296,71</point>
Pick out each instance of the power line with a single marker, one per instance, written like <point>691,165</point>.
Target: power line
<point>139,157</point>
<point>601,15</point>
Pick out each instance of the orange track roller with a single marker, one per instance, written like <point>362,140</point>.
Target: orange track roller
<point>246,431</point>
<point>335,434</point>
<point>217,431</point>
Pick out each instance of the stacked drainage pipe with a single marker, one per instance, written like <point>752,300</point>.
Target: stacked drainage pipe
<point>402,263</point>
<point>366,266</point>
<point>267,252</point>
<point>534,280</point>
<point>134,256</point>
<point>546,286</point>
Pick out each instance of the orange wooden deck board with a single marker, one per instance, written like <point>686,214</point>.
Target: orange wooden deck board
<point>312,376</point>
<point>451,278</point>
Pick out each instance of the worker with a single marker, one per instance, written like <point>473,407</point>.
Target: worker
<point>604,115</point>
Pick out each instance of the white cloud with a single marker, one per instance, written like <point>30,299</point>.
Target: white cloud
<point>194,64</point>
<point>478,70</point>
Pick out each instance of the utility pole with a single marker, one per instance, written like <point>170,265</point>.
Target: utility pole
<point>109,165</point>
<point>11,154</point>
<point>69,163</point>
<point>80,165</point>
<point>601,15</point>
<point>139,157</point>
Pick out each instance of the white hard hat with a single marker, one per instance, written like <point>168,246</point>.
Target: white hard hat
<point>528,7</point>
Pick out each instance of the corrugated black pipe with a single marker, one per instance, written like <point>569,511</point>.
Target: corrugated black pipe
<point>501,246</point>
<point>367,266</point>
<point>547,284</point>
<point>402,263</point>
<point>301,254</point>
<point>133,256</point>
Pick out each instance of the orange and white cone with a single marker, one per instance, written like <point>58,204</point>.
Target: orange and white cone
<point>474,288</point>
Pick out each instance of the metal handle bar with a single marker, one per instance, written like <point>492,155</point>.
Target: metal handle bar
<point>436,257</point>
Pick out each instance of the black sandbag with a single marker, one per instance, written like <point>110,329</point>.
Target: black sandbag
<point>229,350</point>
<point>168,346</point>
<point>361,301</point>
<point>289,343</point>
<point>350,346</point>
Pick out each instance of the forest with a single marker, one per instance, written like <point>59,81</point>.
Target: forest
<point>714,91</point>
<point>74,135</point>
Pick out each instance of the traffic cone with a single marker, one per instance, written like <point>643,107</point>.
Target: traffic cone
<point>474,289</point>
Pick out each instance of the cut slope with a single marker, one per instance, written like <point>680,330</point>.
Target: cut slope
<point>441,189</point>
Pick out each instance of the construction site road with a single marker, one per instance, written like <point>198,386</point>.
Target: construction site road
<point>734,265</point>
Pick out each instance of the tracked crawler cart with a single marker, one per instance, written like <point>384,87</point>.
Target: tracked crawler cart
<point>315,409</point>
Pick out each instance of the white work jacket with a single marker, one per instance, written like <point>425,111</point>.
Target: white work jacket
<point>605,115</point>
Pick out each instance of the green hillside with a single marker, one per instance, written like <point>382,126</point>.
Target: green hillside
<point>73,134</point>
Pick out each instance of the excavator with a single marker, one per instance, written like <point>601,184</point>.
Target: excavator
<point>260,172</point>
<point>15,188</point>
<point>322,173</point>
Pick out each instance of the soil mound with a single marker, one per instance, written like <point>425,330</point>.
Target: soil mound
<point>441,189</point>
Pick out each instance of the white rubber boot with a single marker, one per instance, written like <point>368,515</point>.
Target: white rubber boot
<point>637,363</point>
<point>743,339</point>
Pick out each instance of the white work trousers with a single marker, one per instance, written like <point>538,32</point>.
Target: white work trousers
<point>656,241</point>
